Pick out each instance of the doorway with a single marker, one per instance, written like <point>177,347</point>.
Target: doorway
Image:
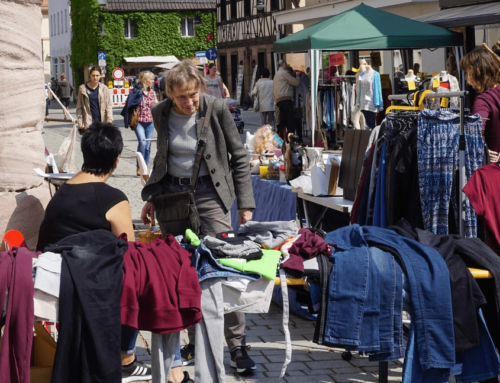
<point>234,73</point>
<point>223,68</point>
<point>261,62</point>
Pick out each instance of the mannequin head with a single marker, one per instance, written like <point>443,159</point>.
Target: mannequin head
<point>410,76</point>
<point>363,65</point>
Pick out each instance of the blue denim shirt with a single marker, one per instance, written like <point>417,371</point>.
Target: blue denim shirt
<point>207,267</point>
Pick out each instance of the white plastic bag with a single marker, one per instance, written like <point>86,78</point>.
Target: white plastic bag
<point>65,157</point>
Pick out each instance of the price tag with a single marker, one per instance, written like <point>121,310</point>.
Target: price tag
<point>337,59</point>
<point>444,102</point>
<point>434,74</point>
<point>419,74</point>
<point>385,81</point>
<point>411,85</point>
<point>436,83</point>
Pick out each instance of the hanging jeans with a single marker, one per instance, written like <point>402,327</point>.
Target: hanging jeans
<point>438,158</point>
<point>142,131</point>
<point>426,274</point>
<point>379,210</point>
<point>475,364</point>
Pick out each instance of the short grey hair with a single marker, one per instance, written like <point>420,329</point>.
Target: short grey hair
<point>181,75</point>
<point>282,63</point>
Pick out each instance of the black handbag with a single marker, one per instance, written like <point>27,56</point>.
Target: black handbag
<point>177,212</point>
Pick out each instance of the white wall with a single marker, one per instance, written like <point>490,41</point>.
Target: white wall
<point>60,39</point>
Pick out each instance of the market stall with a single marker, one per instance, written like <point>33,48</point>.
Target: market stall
<point>361,28</point>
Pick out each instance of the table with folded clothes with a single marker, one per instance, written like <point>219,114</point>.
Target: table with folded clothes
<point>274,201</point>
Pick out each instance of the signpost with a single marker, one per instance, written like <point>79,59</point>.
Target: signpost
<point>212,54</point>
<point>101,59</point>
<point>118,74</point>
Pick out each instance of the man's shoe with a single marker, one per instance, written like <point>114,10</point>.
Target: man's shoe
<point>241,361</point>
<point>135,372</point>
<point>187,354</point>
<point>186,379</point>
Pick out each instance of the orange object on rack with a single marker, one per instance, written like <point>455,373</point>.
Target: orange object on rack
<point>13,238</point>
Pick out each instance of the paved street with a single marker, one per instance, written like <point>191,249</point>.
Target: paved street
<point>310,363</point>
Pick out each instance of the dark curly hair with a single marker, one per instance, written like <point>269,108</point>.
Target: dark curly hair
<point>483,71</point>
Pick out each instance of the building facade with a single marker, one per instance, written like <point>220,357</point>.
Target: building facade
<point>59,12</point>
<point>138,28</point>
<point>245,40</point>
<point>46,40</point>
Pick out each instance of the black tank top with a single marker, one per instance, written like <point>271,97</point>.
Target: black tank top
<point>77,208</point>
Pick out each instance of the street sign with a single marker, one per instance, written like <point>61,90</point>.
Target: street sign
<point>118,83</point>
<point>118,74</point>
<point>212,54</point>
<point>101,55</point>
<point>102,63</point>
<point>201,54</point>
<point>203,60</point>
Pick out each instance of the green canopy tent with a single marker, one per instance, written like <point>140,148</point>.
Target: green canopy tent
<point>362,28</point>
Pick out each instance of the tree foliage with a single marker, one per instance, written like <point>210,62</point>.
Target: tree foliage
<point>157,34</point>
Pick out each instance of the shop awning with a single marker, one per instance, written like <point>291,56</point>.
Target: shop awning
<point>463,16</point>
<point>367,28</point>
<point>151,59</point>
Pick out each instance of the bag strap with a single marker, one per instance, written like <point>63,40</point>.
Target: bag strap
<point>201,144</point>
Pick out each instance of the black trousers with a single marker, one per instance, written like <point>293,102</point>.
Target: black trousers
<point>287,118</point>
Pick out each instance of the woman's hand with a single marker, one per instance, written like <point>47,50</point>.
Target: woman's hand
<point>148,214</point>
<point>244,215</point>
<point>493,156</point>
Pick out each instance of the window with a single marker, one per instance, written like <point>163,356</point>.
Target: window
<point>51,26</point>
<point>66,19</point>
<point>223,10</point>
<point>234,10</point>
<point>187,27</point>
<point>247,7</point>
<point>129,29</point>
<point>58,23</point>
<point>274,5</point>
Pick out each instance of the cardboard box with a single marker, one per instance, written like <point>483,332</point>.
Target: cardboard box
<point>43,353</point>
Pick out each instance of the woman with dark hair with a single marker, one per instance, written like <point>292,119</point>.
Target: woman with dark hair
<point>86,203</point>
<point>94,102</point>
<point>215,86</point>
<point>482,72</point>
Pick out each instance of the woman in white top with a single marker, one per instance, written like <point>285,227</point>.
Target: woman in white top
<point>263,90</point>
<point>215,86</point>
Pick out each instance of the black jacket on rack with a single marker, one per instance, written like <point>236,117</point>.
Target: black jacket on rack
<point>88,346</point>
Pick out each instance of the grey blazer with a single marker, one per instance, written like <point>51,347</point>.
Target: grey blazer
<point>224,154</point>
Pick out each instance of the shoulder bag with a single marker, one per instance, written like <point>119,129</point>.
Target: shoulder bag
<point>133,116</point>
<point>176,212</point>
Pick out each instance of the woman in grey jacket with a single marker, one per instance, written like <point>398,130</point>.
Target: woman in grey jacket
<point>224,176</point>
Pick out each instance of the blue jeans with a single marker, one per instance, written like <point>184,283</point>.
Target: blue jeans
<point>129,337</point>
<point>142,131</point>
<point>178,359</point>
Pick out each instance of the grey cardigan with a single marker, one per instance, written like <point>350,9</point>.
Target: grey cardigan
<point>224,154</point>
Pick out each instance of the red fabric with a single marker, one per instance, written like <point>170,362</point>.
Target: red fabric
<point>309,245</point>
<point>483,190</point>
<point>145,114</point>
<point>16,277</point>
<point>444,84</point>
<point>160,278</point>
<point>487,105</point>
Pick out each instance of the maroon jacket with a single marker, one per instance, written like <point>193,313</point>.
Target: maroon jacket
<point>161,292</point>
<point>487,105</point>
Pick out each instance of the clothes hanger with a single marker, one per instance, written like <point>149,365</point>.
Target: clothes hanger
<point>420,104</point>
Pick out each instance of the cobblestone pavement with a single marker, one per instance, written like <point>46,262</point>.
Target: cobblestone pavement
<point>310,363</point>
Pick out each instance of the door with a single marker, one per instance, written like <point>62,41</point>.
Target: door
<point>261,62</point>
<point>234,73</point>
<point>223,68</point>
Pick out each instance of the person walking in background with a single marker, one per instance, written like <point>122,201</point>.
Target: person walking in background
<point>482,72</point>
<point>145,127</point>
<point>215,86</point>
<point>283,96</point>
<point>64,90</point>
<point>53,86</point>
<point>93,102</point>
<point>263,91</point>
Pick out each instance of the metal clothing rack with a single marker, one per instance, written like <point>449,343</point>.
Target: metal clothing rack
<point>461,144</point>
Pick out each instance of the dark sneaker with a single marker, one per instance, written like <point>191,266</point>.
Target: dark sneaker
<point>187,379</point>
<point>135,372</point>
<point>187,354</point>
<point>241,361</point>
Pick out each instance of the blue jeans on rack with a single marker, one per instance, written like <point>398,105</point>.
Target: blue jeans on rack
<point>142,131</point>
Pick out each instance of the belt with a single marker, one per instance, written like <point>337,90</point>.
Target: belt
<point>186,181</point>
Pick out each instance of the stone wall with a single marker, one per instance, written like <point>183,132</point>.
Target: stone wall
<point>23,195</point>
